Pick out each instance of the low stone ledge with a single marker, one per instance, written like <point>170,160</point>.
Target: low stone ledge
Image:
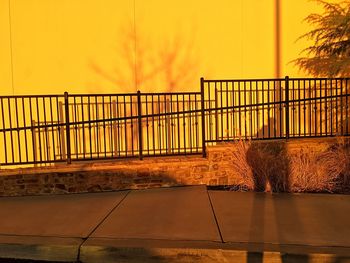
<point>216,169</point>
<point>105,176</point>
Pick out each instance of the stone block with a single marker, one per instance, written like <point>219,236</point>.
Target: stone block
<point>33,190</point>
<point>65,174</point>
<point>215,156</point>
<point>142,186</point>
<point>30,180</point>
<point>14,187</point>
<point>200,168</point>
<point>213,166</point>
<point>98,179</point>
<point>213,182</point>
<point>223,180</point>
<point>107,187</point>
<point>60,186</point>
<point>156,181</point>
<point>59,191</point>
<point>142,181</point>
<point>198,176</point>
<point>14,177</point>
<point>94,188</point>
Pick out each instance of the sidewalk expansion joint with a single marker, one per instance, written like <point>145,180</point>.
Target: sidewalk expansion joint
<point>104,219</point>
<point>216,220</point>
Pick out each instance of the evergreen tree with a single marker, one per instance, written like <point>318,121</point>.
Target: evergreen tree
<point>330,54</point>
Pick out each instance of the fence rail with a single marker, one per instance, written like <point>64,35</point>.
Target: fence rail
<point>45,129</point>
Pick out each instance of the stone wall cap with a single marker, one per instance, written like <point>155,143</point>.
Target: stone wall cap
<point>100,165</point>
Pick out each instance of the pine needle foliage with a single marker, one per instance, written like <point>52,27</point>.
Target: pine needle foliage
<point>329,56</point>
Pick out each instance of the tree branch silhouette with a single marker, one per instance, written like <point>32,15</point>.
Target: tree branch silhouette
<point>167,67</point>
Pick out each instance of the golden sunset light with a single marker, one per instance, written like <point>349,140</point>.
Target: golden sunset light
<point>175,131</point>
<point>89,46</point>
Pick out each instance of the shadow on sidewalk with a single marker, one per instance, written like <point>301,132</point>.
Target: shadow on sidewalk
<point>270,167</point>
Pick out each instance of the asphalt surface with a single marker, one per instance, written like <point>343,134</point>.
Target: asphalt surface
<point>180,224</point>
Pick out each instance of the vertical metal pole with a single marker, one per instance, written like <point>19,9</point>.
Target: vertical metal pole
<point>287,105</point>
<point>66,108</point>
<point>216,113</point>
<point>35,158</point>
<point>168,126</point>
<point>203,118</point>
<point>277,38</point>
<point>114,128</point>
<point>139,111</point>
<point>61,131</point>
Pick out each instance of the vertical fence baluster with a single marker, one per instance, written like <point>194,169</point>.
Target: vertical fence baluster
<point>287,105</point>
<point>341,108</point>
<point>25,129</point>
<point>153,126</point>
<point>4,127</point>
<point>184,121</point>
<point>147,124</point>
<point>203,117</point>
<point>139,111</point>
<point>11,129</point>
<point>18,132</point>
<point>346,107</point>
<point>66,108</point>
<point>196,132</point>
<point>268,110</point>
<point>52,131</point>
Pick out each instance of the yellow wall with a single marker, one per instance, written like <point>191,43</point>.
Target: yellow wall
<point>293,26</point>
<point>55,43</point>
<point>5,57</point>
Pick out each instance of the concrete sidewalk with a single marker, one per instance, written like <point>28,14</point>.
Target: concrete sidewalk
<point>182,224</point>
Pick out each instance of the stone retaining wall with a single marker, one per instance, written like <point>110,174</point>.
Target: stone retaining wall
<point>214,170</point>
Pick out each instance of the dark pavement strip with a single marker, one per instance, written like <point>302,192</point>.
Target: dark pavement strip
<point>285,219</point>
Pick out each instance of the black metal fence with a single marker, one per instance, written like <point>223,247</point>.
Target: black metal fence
<point>64,128</point>
<point>276,108</point>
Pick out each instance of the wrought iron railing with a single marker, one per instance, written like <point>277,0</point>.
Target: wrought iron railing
<point>276,108</point>
<point>45,129</point>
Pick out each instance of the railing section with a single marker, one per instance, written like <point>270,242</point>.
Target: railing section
<point>40,130</point>
<point>276,108</point>
<point>32,129</point>
<point>63,128</point>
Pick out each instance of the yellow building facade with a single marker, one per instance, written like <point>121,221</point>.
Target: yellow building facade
<point>89,46</point>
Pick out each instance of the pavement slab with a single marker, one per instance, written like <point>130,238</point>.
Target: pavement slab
<point>74,215</point>
<point>283,219</point>
<point>51,227</point>
<point>179,224</point>
<point>179,213</point>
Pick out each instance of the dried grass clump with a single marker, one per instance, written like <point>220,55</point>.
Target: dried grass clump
<point>327,171</point>
<point>308,173</point>
<point>268,166</point>
<point>262,166</point>
<point>241,165</point>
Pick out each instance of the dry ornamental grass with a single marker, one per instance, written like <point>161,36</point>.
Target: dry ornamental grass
<point>270,167</point>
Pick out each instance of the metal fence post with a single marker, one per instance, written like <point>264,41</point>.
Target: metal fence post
<point>66,108</point>
<point>139,116</point>
<point>168,125</point>
<point>287,105</point>
<point>203,118</point>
